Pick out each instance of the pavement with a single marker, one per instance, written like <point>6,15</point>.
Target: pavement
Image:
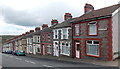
<point>45,62</point>
<point>114,63</point>
<point>9,60</point>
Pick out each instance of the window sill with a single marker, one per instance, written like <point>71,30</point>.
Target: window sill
<point>65,54</point>
<point>93,55</point>
<point>49,53</point>
<point>93,35</point>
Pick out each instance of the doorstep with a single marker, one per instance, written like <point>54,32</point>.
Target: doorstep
<point>114,63</point>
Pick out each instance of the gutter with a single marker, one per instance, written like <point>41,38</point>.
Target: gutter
<point>101,17</point>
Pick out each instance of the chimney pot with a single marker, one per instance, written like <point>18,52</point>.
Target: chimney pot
<point>37,28</point>
<point>88,8</point>
<point>27,33</point>
<point>44,26</point>
<point>67,16</point>
<point>54,21</point>
<point>31,31</point>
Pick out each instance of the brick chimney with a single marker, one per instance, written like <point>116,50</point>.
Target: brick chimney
<point>27,33</point>
<point>54,21</point>
<point>88,8</point>
<point>23,34</point>
<point>67,16</point>
<point>37,28</point>
<point>44,26</point>
<point>31,31</point>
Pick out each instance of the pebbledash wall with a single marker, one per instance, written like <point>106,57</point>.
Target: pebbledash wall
<point>0,43</point>
<point>102,36</point>
<point>115,32</point>
<point>69,41</point>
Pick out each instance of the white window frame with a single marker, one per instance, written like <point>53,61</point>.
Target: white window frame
<point>38,39</point>
<point>50,47</point>
<point>64,33</point>
<point>92,44</point>
<point>38,46</point>
<point>55,34</point>
<point>94,23</point>
<point>61,47</point>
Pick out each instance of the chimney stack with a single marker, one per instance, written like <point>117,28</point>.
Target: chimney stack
<point>54,21</point>
<point>88,8</point>
<point>31,31</point>
<point>37,28</point>
<point>67,16</point>
<point>23,34</point>
<point>44,26</point>
<point>27,33</point>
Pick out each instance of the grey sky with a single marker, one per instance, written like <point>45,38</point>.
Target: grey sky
<point>19,16</point>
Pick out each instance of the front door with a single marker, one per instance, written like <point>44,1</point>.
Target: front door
<point>34,48</point>
<point>77,49</point>
<point>56,49</point>
<point>43,47</point>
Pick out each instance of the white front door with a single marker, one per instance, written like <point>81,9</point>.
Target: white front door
<point>56,48</point>
<point>77,47</point>
<point>34,49</point>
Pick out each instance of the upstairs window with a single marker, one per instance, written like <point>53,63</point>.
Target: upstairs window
<point>38,39</point>
<point>77,29</point>
<point>49,37</point>
<point>92,30</point>
<point>64,34</point>
<point>43,37</point>
<point>34,39</point>
<point>55,34</point>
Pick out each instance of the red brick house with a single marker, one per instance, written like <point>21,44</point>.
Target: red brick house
<point>95,33</point>
<point>46,38</point>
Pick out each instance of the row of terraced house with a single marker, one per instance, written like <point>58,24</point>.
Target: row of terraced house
<point>93,35</point>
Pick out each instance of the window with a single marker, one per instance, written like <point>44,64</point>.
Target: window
<point>92,47</point>
<point>49,37</point>
<point>49,49</point>
<point>39,49</point>
<point>92,28</point>
<point>31,49</point>
<point>77,30</point>
<point>65,48</point>
<point>55,34</point>
<point>35,39</point>
<point>38,39</point>
<point>43,37</point>
<point>64,34</point>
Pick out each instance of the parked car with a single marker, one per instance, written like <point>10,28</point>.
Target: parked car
<point>9,52</point>
<point>4,51</point>
<point>19,52</point>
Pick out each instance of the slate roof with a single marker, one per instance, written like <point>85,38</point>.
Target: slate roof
<point>65,23</point>
<point>37,32</point>
<point>49,29</point>
<point>98,13</point>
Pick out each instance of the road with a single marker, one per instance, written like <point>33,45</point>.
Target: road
<point>9,60</point>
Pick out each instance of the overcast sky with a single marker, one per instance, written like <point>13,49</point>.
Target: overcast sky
<point>19,16</point>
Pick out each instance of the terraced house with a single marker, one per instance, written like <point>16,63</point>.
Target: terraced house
<point>62,37</point>
<point>95,33</point>
<point>37,41</point>
<point>29,39</point>
<point>46,38</point>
